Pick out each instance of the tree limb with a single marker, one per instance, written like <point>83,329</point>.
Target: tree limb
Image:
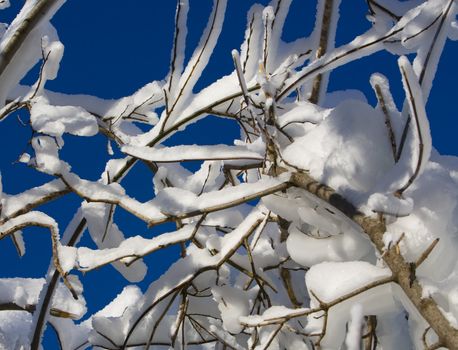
<point>41,10</point>
<point>375,228</point>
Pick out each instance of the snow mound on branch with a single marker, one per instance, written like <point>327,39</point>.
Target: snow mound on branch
<point>106,234</point>
<point>434,215</point>
<point>347,151</point>
<point>24,292</point>
<point>232,303</point>
<point>4,4</point>
<point>30,52</point>
<point>55,120</point>
<point>308,251</point>
<point>53,51</point>
<point>14,329</point>
<point>329,281</point>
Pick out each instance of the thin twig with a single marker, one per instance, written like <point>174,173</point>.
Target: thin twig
<point>414,109</point>
<point>426,253</point>
<point>322,47</point>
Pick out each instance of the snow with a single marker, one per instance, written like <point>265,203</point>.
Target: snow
<point>29,52</point>
<point>313,217</point>
<point>53,52</point>
<point>250,51</point>
<point>20,291</point>
<point>303,112</point>
<point>128,297</point>
<point>390,204</point>
<point>13,204</point>
<point>238,68</point>
<point>308,251</point>
<point>108,235</point>
<point>429,289</point>
<point>24,158</point>
<point>353,340</point>
<point>192,111</point>
<point>55,120</point>
<point>331,280</point>
<point>130,248</point>
<point>139,107</point>
<point>369,42</point>
<point>232,304</point>
<point>178,51</point>
<point>32,217</point>
<point>273,313</point>
<point>19,243</point>
<point>13,329</point>
<point>427,59</point>
<point>67,257</point>
<point>227,338</point>
<point>346,151</point>
<point>1,190</point>
<point>24,292</point>
<point>200,56</point>
<point>420,123</point>
<point>191,152</point>
<point>71,335</point>
<point>268,17</point>
<point>395,118</point>
<point>433,216</point>
<point>249,241</point>
<point>95,105</point>
<point>176,202</point>
<point>453,31</point>
<point>4,4</point>
<point>63,300</point>
<point>276,49</point>
<point>182,272</point>
<point>47,156</point>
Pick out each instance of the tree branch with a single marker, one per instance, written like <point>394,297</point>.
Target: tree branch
<point>41,10</point>
<point>375,228</point>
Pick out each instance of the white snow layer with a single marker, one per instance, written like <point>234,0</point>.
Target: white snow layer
<point>329,281</point>
<point>346,151</point>
<point>55,120</point>
<point>30,51</point>
<point>24,293</point>
<point>192,152</point>
<point>4,4</point>
<point>106,234</point>
<point>232,303</point>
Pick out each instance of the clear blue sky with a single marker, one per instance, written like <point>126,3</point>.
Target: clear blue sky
<point>112,48</point>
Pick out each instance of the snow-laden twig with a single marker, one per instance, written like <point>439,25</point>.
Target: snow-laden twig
<point>179,45</point>
<point>185,275</point>
<point>421,127</point>
<point>401,269</point>
<point>201,55</point>
<point>41,220</point>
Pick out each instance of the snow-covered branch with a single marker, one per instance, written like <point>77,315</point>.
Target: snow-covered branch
<point>326,223</point>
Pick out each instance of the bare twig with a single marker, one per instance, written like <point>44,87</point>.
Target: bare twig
<point>426,253</point>
<point>326,21</point>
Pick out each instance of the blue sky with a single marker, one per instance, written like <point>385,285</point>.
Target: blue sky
<point>112,49</point>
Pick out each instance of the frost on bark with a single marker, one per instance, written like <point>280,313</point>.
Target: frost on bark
<point>328,224</point>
